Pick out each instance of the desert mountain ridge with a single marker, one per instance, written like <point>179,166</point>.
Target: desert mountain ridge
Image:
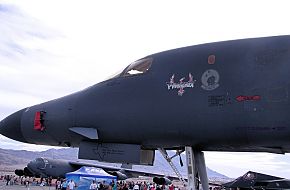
<point>18,159</point>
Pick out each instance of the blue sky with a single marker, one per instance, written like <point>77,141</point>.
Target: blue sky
<point>52,48</point>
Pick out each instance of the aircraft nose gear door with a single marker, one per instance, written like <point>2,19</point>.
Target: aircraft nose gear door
<point>196,169</point>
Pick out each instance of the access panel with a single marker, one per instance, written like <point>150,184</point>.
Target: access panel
<point>118,153</point>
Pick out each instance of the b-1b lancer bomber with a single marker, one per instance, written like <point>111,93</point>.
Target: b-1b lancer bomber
<point>222,96</point>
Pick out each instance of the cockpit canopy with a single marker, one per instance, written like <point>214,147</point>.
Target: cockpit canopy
<point>41,163</point>
<point>138,67</point>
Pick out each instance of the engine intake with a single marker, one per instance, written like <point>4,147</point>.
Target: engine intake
<point>162,180</point>
<point>119,175</point>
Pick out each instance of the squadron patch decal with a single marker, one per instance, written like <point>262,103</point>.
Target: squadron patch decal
<point>181,85</point>
<point>210,79</point>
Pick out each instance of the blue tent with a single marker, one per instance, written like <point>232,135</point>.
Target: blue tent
<point>85,175</point>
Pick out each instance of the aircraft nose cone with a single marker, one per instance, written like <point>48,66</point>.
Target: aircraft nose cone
<point>11,126</point>
<point>30,165</point>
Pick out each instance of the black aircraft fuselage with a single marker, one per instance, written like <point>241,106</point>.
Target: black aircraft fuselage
<point>45,167</point>
<point>223,96</point>
<point>56,168</point>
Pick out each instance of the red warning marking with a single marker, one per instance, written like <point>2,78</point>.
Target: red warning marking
<point>38,121</point>
<point>248,98</point>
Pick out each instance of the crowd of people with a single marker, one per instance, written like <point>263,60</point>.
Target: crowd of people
<point>130,185</point>
<point>144,185</point>
<point>19,180</point>
<point>63,184</point>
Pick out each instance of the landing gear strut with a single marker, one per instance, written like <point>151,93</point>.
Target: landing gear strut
<point>196,168</point>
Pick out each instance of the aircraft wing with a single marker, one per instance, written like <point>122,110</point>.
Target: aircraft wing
<point>125,173</point>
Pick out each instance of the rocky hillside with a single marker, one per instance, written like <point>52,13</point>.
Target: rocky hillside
<point>12,159</point>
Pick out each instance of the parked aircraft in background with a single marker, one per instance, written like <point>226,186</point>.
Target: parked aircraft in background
<point>46,167</point>
<point>254,180</point>
<point>223,96</point>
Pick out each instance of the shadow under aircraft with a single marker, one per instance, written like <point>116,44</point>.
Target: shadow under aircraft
<point>222,96</point>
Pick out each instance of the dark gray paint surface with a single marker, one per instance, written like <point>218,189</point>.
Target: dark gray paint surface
<point>239,103</point>
<point>46,167</point>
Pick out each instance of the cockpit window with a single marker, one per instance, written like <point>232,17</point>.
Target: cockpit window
<point>40,163</point>
<point>138,67</point>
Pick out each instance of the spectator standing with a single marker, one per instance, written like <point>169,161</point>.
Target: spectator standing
<point>114,186</point>
<point>64,185</point>
<point>93,185</point>
<point>152,187</point>
<point>7,177</point>
<point>58,184</point>
<point>49,180</point>
<point>100,186</point>
<point>125,187</point>
<point>136,187</point>
<point>71,185</point>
